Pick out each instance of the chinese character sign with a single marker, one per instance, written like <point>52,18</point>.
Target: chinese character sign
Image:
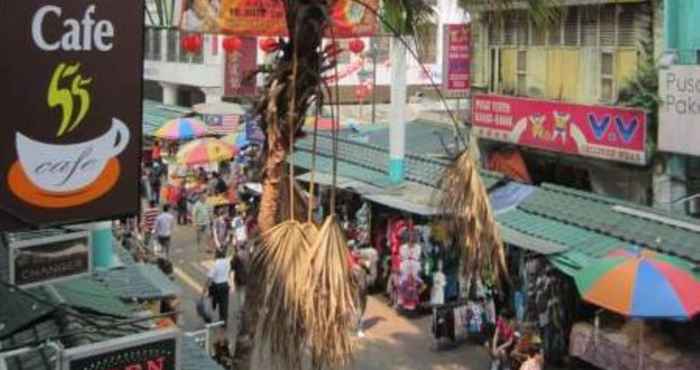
<point>456,59</point>
<point>595,131</point>
<point>267,18</point>
<point>71,87</point>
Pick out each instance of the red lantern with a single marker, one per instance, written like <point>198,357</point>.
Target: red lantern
<point>232,43</point>
<point>357,46</point>
<point>192,43</point>
<point>269,45</point>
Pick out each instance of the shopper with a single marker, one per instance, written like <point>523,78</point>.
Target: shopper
<point>148,220</point>
<point>164,225</point>
<point>503,339</point>
<point>535,358</point>
<point>220,231</point>
<point>155,179</point>
<point>201,219</point>
<point>239,226</point>
<point>182,205</point>
<point>239,267</point>
<point>218,283</point>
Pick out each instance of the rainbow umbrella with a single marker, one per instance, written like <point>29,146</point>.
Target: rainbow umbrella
<point>181,129</point>
<point>201,151</point>
<point>641,284</point>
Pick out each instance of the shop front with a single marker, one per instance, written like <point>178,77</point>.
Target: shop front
<point>602,149</point>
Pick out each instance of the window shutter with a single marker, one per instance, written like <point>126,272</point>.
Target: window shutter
<point>571,26</point>
<point>555,32</point>
<point>589,26</point>
<point>607,25</point>
<point>523,29</point>
<point>626,33</point>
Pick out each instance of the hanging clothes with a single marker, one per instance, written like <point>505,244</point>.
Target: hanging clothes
<point>437,292</point>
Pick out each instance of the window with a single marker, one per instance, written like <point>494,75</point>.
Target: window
<point>523,29</point>
<point>539,35</point>
<point>571,26</point>
<point>522,73</point>
<point>494,31</point>
<point>554,32</point>
<point>607,25</point>
<point>607,70</point>
<point>427,45</point>
<point>589,25</point>
<point>626,35</point>
<point>173,40</point>
<point>510,25</point>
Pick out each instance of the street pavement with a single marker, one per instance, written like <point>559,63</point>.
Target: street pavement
<point>392,341</point>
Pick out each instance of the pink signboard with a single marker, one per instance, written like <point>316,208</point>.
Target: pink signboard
<point>456,59</point>
<point>240,68</point>
<point>611,133</point>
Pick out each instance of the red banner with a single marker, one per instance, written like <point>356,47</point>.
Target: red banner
<point>266,18</point>
<point>240,65</point>
<point>457,58</point>
<point>595,131</point>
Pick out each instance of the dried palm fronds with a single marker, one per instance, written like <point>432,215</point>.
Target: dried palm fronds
<point>281,266</point>
<point>470,219</point>
<point>332,299</point>
<point>300,201</point>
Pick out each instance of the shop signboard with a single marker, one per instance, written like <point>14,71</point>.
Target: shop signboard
<point>679,114</point>
<point>456,58</point>
<point>151,350</point>
<point>71,92</point>
<point>267,18</point>
<point>240,77</point>
<point>49,259</point>
<point>611,133</point>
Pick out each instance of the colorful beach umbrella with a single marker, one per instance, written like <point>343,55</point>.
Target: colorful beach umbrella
<point>202,151</point>
<point>641,284</point>
<point>182,129</point>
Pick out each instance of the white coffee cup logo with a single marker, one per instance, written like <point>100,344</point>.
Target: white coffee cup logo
<point>69,168</point>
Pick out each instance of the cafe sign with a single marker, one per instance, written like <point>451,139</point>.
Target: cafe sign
<point>71,92</point>
<point>611,133</point>
<point>152,350</point>
<point>49,259</point>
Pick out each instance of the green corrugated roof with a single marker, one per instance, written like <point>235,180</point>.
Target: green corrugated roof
<point>89,294</point>
<point>155,114</point>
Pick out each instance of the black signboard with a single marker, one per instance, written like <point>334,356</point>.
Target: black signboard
<point>70,87</point>
<point>49,259</point>
<point>153,350</point>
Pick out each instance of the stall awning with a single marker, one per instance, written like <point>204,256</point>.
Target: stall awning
<point>341,182</point>
<point>409,197</point>
<point>529,242</point>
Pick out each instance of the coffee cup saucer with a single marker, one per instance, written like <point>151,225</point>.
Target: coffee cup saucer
<point>23,188</point>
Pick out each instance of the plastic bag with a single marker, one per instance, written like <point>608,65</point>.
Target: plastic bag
<point>204,309</point>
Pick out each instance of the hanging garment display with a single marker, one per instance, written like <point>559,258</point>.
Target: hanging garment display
<point>437,292</point>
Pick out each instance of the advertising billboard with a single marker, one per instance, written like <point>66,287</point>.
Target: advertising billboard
<point>679,113</point>
<point>71,91</point>
<point>612,133</point>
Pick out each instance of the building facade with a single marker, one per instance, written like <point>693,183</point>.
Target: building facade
<point>564,81</point>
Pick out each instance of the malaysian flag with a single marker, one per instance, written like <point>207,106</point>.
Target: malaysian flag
<point>222,124</point>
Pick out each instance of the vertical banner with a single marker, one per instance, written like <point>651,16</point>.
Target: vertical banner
<point>267,18</point>
<point>456,58</point>
<point>240,65</point>
<point>71,90</point>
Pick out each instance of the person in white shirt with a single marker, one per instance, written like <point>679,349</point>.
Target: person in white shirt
<point>163,229</point>
<point>218,283</point>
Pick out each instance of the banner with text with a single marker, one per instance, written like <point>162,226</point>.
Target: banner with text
<point>71,132</point>
<point>611,133</point>
<point>456,58</point>
<point>240,79</point>
<point>267,18</point>
<point>679,114</point>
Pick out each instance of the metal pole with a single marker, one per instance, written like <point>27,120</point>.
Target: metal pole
<point>374,82</point>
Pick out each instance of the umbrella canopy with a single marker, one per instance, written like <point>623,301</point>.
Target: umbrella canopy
<point>181,129</point>
<point>207,150</point>
<point>237,140</point>
<point>641,284</point>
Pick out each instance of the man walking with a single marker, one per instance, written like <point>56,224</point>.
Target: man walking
<point>201,218</point>
<point>165,222</point>
<point>218,279</point>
